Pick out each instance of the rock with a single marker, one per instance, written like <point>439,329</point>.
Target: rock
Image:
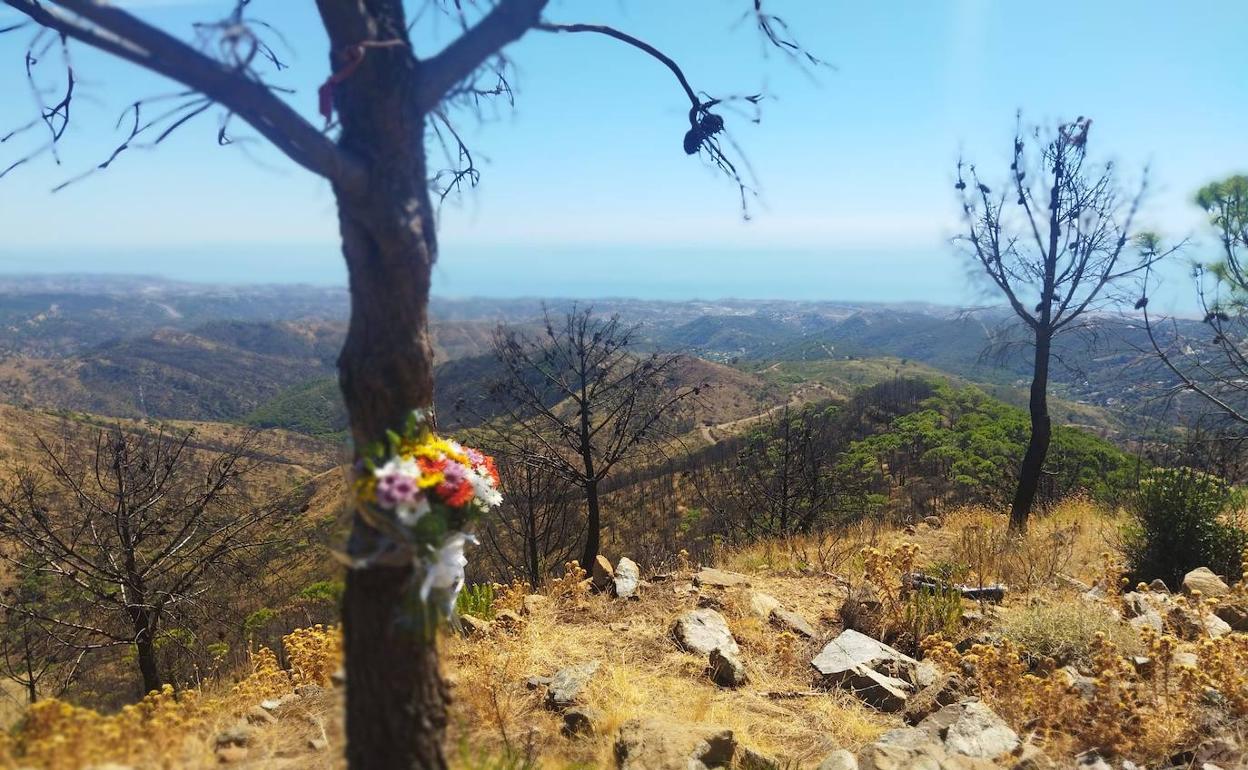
<point>791,621</point>
<point>317,744</point>
<point>507,619</point>
<point>1032,758</point>
<point>1159,586</point>
<point>240,734</point>
<point>228,755</point>
<point>869,668</point>
<point>257,715</point>
<point>1151,619</point>
<point>718,578</point>
<point>684,589</point>
<point>309,690</point>
<point>763,605</point>
<point>1093,761</point>
<point>537,682</point>
<point>727,670</point>
<point>1192,623</point>
<point>923,674</point>
<point>1203,580</point>
<point>1085,685</point>
<point>567,686</point>
<point>533,604</point>
<point>839,760</point>
<point>473,627</point>
<point>906,748</point>
<point>704,630</point>
<point>933,521</point>
<point>580,720</point>
<point>861,610</point>
<point>1072,583</point>
<point>1234,615</point>
<point>1187,659</point>
<point>602,574</point>
<point>945,691</point>
<point>977,731</point>
<point>272,704</point>
<point>627,578</point>
<point>749,759</point>
<point>852,648</point>
<point>654,744</point>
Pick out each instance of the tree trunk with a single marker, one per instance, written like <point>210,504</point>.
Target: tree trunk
<point>396,701</point>
<point>1041,433</point>
<point>145,650</point>
<point>593,524</point>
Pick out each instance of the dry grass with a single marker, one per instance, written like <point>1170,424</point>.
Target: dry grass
<point>780,711</point>
<point>644,674</point>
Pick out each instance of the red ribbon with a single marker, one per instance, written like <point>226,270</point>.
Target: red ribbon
<point>353,56</point>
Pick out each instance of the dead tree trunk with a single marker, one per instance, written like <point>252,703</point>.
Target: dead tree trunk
<point>1041,434</point>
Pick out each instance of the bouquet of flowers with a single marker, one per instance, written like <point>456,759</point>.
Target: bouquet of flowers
<point>423,491</point>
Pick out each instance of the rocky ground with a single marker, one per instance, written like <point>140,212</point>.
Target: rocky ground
<point>767,662</point>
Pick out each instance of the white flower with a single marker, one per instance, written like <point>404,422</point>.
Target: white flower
<point>483,487</point>
<point>445,572</point>
<point>410,513</point>
<point>399,466</point>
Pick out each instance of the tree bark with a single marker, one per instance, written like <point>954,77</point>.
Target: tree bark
<point>145,651</point>
<point>593,524</point>
<point>396,700</point>
<point>1041,434</point>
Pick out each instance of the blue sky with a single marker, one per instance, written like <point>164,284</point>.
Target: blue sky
<point>586,190</point>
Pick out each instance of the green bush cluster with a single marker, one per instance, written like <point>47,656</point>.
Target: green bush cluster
<point>1178,523</point>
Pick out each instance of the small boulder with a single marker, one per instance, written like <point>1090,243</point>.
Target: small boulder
<point>228,755</point>
<point>533,604</point>
<point>507,619</point>
<point>839,760</point>
<point>1159,586</point>
<point>791,621</point>
<point>977,731</point>
<point>750,759</point>
<point>655,744</point>
<point>702,631</point>
<point>474,627</point>
<point>1234,615</point>
<point>602,574</point>
<point>870,668</point>
<point>568,685</point>
<point>862,609</point>
<point>763,605</point>
<point>1203,580</point>
<point>718,578</point>
<point>580,720</point>
<point>945,691</point>
<point>240,734</point>
<point>1192,623</point>
<point>258,715</point>
<point>627,578</point>
<point>933,521</point>
<point>317,744</point>
<point>727,670</point>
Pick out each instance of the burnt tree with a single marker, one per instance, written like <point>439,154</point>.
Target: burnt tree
<point>1053,240</point>
<point>390,100</point>
<point>579,400</point>
<point>142,527</point>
